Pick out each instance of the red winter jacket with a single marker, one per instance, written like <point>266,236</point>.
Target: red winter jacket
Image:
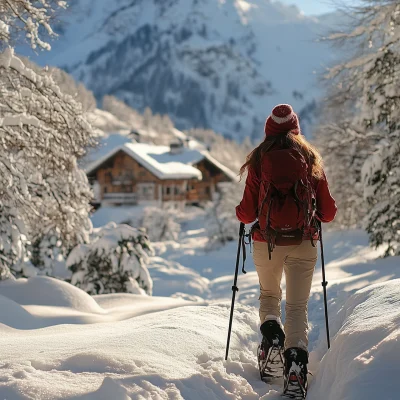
<point>246,211</point>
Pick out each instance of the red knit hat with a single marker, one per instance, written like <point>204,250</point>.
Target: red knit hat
<point>282,120</point>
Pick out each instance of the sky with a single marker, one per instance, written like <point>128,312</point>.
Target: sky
<point>315,7</point>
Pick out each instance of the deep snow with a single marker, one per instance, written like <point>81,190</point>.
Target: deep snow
<point>59,343</point>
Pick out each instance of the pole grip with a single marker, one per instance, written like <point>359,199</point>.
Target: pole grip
<point>241,229</point>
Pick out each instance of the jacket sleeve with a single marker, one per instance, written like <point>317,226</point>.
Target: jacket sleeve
<point>246,211</point>
<point>326,205</point>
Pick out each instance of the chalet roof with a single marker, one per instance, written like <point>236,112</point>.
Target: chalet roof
<point>228,172</point>
<point>156,159</point>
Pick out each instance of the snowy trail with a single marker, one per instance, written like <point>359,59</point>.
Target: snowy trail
<point>59,343</point>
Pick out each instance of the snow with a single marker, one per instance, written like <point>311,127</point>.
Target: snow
<point>4,30</point>
<point>124,214</point>
<point>17,120</point>
<point>363,361</point>
<point>60,343</point>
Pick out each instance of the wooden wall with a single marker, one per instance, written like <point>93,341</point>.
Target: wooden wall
<point>211,177</point>
<point>122,174</point>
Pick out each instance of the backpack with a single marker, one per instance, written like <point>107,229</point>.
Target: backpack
<point>287,199</point>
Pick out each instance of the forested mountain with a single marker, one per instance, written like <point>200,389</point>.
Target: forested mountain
<point>207,63</point>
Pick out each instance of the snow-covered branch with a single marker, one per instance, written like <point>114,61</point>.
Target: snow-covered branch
<point>29,17</point>
<point>42,134</point>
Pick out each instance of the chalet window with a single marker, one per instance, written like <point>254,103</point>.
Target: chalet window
<point>176,190</point>
<point>167,190</point>
<point>208,190</point>
<point>105,189</point>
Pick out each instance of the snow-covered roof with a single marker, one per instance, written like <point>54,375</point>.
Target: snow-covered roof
<point>157,159</point>
<point>168,165</point>
<point>228,172</point>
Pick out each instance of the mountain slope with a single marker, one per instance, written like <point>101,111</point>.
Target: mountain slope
<point>207,63</point>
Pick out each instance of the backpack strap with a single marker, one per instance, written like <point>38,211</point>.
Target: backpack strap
<point>264,200</point>
<point>269,235</point>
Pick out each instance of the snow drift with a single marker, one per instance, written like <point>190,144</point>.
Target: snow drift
<point>363,362</point>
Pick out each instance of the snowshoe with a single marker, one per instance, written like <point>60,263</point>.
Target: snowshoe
<point>295,374</point>
<point>270,351</point>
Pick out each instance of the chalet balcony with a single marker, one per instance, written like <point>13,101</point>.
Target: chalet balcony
<point>120,198</point>
<point>122,182</point>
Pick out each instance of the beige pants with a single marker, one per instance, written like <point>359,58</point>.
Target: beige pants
<point>298,262</point>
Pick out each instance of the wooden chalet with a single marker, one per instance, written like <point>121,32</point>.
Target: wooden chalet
<point>140,173</point>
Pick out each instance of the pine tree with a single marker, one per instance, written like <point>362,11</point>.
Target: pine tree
<point>381,176</point>
<point>113,262</point>
<point>365,95</point>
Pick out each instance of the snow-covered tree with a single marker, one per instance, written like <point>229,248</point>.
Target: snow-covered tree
<point>381,177</point>
<point>122,111</point>
<point>366,85</point>
<point>49,255</point>
<point>221,222</point>
<point>30,18</point>
<point>160,127</point>
<point>13,242</point>
<point>345,148</point>
<point>43,132</point>
<point>78,91</point>
<point>113,262</point>
<point>365,94</point>
<point>161,224</point>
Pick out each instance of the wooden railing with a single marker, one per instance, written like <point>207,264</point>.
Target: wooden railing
<point>120,198</point>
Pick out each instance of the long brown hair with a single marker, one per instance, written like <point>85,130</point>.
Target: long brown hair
<point>290,141</point>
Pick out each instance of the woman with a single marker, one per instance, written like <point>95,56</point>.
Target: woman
<point>282,131</point>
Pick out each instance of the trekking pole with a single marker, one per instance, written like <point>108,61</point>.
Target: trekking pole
<point>324,285</point>
<point>235,289</point>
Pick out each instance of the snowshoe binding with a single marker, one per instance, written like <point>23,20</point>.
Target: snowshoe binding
<point>270,351</point>
<point>295,374</point>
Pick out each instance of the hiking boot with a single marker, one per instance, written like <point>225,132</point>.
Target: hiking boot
<point>270,352</point>
<point>295,373</point>
<point>273,334</point>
